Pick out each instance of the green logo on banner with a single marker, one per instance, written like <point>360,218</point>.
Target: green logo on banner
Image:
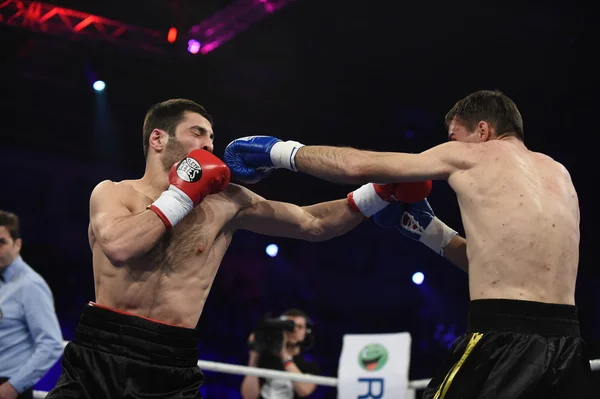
<point>373,357</point>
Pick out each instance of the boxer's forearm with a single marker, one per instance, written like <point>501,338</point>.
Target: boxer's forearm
<point>129,237</point>
<point>331,219</point>
<point>334,164</point>
<point>456,253</point>
<point>352,166</point>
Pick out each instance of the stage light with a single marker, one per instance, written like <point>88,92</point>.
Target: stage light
<point>272,250</point>
<point>99,85</point>
<point>418,278</point>
<point>194,46</point>
<point>172,35</point>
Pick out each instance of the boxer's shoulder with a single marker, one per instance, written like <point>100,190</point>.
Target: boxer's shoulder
<point>126,192</point>
<point>111,186</point>
<point>122,189</point>
<point>241,197</point>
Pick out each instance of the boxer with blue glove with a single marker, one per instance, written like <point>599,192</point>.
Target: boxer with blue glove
<point>252,158</point>
<point>521,216</point>
<point>418,222</point>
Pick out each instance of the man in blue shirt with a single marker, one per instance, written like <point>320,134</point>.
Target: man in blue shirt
<point>30,336</point>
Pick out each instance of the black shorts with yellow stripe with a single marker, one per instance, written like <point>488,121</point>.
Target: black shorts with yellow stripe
<point>515,349</point>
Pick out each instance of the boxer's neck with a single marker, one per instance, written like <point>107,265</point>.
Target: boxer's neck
<point>155,178</point>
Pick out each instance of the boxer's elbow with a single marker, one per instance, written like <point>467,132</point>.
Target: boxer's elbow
<point>312,230</point>
<point>118,252</point>
<point>318,229</point>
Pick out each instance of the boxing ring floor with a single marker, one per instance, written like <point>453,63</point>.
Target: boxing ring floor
<point>314,379</point>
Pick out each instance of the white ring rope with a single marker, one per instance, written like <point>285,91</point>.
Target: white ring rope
<point>266,373</point>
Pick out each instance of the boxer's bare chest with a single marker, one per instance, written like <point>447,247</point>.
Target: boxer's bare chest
<point>190,242</point>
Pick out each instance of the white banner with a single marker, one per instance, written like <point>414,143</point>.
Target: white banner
<point>374,366</point>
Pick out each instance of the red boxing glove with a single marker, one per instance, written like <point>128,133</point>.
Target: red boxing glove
<point>411,192</point>
<point>371,198</point>
<point>193,178</point>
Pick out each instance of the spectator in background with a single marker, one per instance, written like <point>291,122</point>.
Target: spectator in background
<point>30,335</point>
<point>276,345</point>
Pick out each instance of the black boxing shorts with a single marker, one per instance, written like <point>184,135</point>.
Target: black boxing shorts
<point>515,350</point>
<point>117,355</point>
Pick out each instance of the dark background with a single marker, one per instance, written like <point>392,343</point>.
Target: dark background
<point>369,75</point>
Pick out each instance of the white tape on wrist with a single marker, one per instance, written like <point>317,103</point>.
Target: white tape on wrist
<point>367,200</point>
<point>283,154</point>
<point>437,236</point>
<point>174,205</point>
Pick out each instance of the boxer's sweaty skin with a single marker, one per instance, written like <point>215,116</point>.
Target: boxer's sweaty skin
<point>519,209</point>
<point>521,217</point>
<point>171,282</point>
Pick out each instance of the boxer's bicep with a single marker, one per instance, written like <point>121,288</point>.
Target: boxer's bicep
<point>445,159</point>
<point>121,232</point>
<point>105,207</point>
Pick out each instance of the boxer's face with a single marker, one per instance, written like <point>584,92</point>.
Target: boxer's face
<point>459,132</point>
<point>9,248</point>
<point>192,133</point>
<point>299,332</point>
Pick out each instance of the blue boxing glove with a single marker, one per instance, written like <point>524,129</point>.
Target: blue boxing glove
<point>252,158</point>
<point>418,222</point>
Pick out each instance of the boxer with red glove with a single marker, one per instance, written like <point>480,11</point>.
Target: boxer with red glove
<point>371,198</point>
<point>199,174</point>
<point>252,158</point>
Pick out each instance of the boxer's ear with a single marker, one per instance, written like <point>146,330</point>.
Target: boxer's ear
<point>158,140</point>
<point>484,131</point>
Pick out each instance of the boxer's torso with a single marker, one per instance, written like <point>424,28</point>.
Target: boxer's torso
<point>171,282</point>
<point>521,217</point>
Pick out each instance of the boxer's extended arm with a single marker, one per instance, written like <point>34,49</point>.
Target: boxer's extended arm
<point>318,222</point>
<point>121,234</point>
<point>352,166</point>
<point>456,252</point>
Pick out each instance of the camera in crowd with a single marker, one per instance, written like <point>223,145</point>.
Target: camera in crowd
<point>269,334</point>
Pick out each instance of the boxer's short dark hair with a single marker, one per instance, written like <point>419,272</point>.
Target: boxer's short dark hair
<point>167,115</point>
<point>491,106</point>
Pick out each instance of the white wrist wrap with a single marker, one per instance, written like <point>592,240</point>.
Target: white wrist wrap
<point>174,205</point>
<point>437,236</point>
<point>283,154</point>
<point>367,200</point>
